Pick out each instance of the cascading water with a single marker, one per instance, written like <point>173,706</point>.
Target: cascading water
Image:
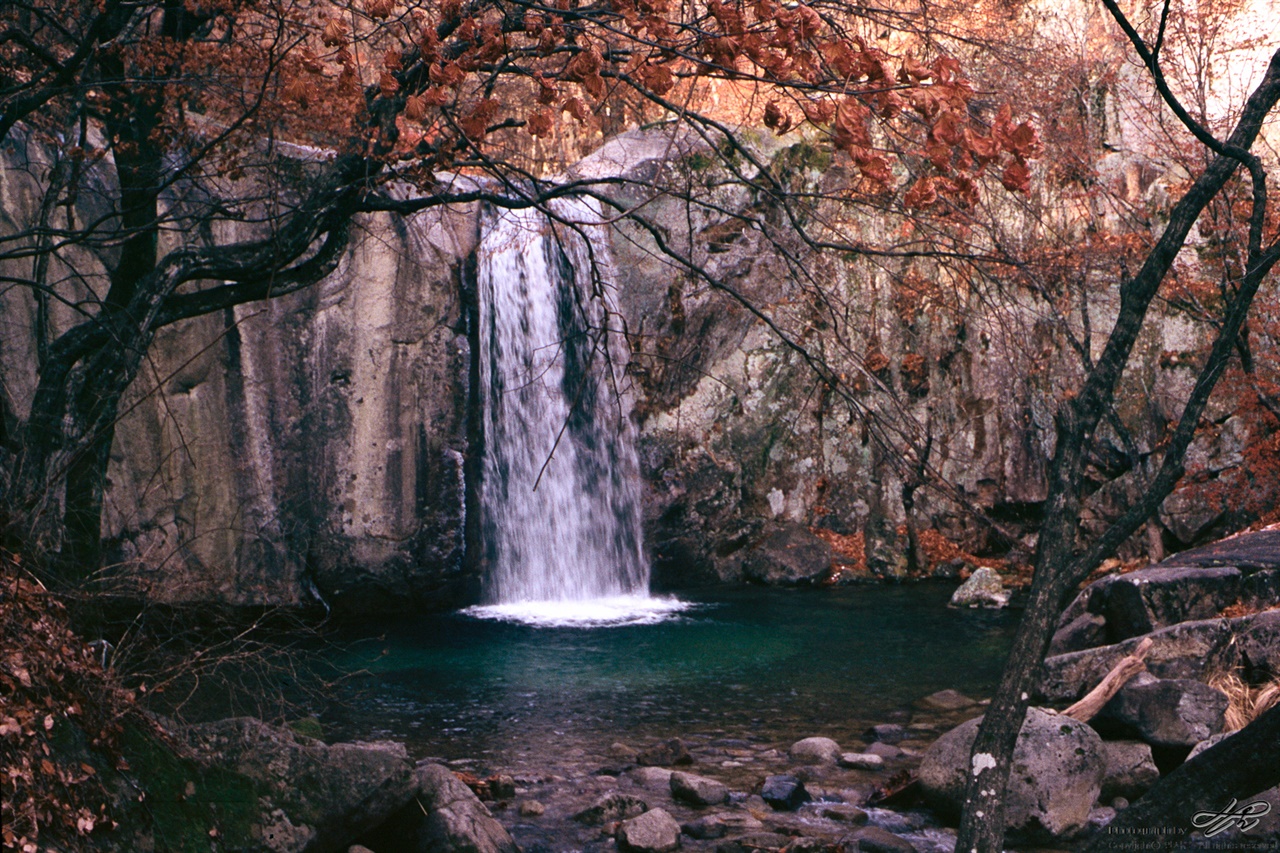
<point>560,492</point>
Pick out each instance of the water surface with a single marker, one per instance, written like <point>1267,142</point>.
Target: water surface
<point>758,664</point>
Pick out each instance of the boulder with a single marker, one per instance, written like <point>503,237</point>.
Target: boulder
<point>455,820</point>
<point>784,793</point>
<point>815,750</point>
<point>1130,770</point>
<point>845,813</point>
<point>652,832</point>
<point>698,790</point>
<point>1189,650</point>
<point>1140,602</point>
<point>1083,632</point>
<point>614,805</point>
<point>1258,645</point>
<point>1164,711</point>
<point>665,754</point>
<point>655,778</point>
<point>788,555</point>
<point>984,588</point>
<point>706,828</point>
<point>861,761</point>
<point>315,797</point>
<point>1058,766</point>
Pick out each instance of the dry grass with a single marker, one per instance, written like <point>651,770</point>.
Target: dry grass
<point>1246,702</point>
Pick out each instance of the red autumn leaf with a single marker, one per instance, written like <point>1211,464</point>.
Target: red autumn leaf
<point>387,84</point>
<point>335,34</point>
<point>810,22</point>
<point>415,107</point>
<point>775,117</point>
<point>539,123</point>
<point>818,112</point>
<point>1016,177</point>
<point>657,78</point>
<point>851,125</point>
<point>576,108</point>
<point>922,194</point>
<point>379,8</point>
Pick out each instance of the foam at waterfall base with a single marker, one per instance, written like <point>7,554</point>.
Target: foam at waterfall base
<point>612,611</point>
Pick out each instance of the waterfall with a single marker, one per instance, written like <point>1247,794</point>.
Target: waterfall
<point>560,495</point>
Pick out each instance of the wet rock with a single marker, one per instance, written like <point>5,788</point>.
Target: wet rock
<point>654,831</point>
<point>873,839</point>
<point>614,805</point>
<point>665,754</point>
<point>358,848</point>
<point>756,841</point>
<point>532,808</point>
<point>698,790</point>
<point>1130,770</point>
<point>983,589</point>
<point>1166,712</point>
<point>315,796</point>
<point>786,556</point>
<point>445,817</point>
<point>622,752</point>
<point>815,750</point>
<point>884,750</point>
<point>657,778</point>
<point>862,761</point>
<point>784,793</point>
<point>844,812</point>
<point>706,828</point>
<point>1058,766</point>
<point>886,733</point>
<point>501,787</point>
<point>946,700</point>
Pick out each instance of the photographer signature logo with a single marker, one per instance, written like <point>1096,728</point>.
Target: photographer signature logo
<point>1247,816</point>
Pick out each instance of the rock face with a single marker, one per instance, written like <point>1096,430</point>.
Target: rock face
<point>320,798</point>
<point>1130,770</point>
<point>788,556</point>
<point>1058,767</point>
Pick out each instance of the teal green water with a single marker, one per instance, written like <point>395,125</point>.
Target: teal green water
<point>754,663</point>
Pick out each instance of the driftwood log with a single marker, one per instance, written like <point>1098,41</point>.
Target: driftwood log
<point>1126,668</point>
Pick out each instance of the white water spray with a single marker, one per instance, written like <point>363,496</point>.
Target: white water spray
<point>560,493</point>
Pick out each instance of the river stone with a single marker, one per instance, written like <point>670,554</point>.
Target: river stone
<point>861,761</point>
<point>1166,712</point>
<point>946,700</point>
<point>983,589</point>
<point>657,778</point>
<point>784,793</point>
<point>612,806</point>
<point>873,839</point>
<point>883,750</point>
<point>787,556</point>
<point>754,842</point>
<point>706,828</point>
<point>698,790</point>
<point>654,831</point>
<point>845,813</point>
<point>1130,770</point>
<point>815,750</point>
<point>665,754</point>
<point>886,733</point>
<point>456,820</point>
<point>1058,766</point>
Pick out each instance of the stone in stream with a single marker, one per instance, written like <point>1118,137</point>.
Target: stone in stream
<point>532,808</point>
<point>754,843</point>
<point>665,754</point>
<point>884,750</point>
<point>886,733</point>
<point>946,700</point>
<point>652,832</point>
<point>651,777</point>
<point>983,589</point>
<point>784,793</point>
<point>698,790</point>
<point>815,750</point>
<point>873,839</point>
<point>845,813</point>
<point>707,828</point>
<point>614,805</point>
<point>861,761</point>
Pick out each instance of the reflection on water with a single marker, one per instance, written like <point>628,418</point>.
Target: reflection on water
<point>749,663</point>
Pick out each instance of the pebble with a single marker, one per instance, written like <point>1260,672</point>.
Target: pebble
<point>532,808</point>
